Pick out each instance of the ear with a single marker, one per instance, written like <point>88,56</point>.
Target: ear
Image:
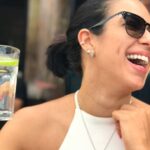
<point>85,39</point>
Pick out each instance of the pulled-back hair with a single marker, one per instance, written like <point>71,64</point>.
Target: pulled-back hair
<point>65,54</point>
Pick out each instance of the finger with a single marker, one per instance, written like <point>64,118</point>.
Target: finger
<point>128,107</point>
<point>119,115</point>
<point>139,103</point>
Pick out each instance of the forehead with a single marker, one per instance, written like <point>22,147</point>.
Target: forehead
<point>134,6</point>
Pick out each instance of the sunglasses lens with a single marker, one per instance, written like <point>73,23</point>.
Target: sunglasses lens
<point>135,25</point>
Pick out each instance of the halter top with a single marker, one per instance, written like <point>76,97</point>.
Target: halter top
<point>100,130</point>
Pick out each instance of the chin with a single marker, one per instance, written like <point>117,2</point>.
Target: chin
<point>137,84</point>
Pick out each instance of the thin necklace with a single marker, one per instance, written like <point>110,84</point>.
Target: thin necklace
<point>86,128</point>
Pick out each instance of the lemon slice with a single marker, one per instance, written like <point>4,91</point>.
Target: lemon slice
<point>7,61</point>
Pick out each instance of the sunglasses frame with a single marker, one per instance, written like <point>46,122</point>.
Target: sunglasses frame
<point>125,14</point>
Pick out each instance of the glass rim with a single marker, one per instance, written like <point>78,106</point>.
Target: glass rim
<point>17,50</point>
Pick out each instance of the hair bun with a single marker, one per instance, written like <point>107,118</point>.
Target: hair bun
<point>57,60</point>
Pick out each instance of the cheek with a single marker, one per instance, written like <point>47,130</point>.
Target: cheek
<point>111,54</point>
<point>114,41</point>
<point>112,46</point>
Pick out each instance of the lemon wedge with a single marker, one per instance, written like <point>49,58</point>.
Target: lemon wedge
<point>7,61</point>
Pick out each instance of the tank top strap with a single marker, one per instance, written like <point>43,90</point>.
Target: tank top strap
<point>76,99</point>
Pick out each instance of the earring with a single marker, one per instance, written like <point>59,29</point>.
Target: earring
<point>91,53</point>
<point>82,43</point>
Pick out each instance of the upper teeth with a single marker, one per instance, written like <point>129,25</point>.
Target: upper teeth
<point>141,57</point>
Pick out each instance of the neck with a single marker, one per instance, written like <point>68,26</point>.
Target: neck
<point>101,102</point>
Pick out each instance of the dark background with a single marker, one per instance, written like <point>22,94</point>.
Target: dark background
<point>13,23</point>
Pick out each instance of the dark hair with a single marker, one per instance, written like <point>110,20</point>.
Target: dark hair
<point>66,54</point>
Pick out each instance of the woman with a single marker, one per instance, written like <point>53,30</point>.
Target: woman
<point>108,42</point>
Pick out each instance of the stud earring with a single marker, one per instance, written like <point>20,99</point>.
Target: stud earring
<point>91,53</point>
<point>82,43</point>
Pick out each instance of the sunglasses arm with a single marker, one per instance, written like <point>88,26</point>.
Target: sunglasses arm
<point>105,20</point>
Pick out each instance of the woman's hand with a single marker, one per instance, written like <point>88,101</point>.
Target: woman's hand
<point>133,125</point>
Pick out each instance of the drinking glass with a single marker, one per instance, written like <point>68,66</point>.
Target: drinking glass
<point>9,60</point>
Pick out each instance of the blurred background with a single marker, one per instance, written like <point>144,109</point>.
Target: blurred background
<point>32,25</point>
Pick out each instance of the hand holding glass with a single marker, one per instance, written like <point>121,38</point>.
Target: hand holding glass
<point>9,59</point>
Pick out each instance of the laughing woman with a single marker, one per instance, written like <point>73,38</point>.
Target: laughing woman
<point>108,42</point>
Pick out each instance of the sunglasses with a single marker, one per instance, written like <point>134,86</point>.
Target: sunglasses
<point>135,25</point>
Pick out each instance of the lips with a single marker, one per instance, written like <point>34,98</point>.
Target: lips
<point>140,60</point>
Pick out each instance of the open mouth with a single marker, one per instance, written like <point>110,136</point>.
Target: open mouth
<point>138,59</point>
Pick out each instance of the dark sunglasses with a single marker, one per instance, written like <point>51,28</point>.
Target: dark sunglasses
<point>135,25</point>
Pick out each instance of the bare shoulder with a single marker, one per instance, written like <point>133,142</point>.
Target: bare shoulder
<point>42,120</point>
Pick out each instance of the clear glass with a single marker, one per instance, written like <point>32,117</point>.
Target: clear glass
<point>9,60</point>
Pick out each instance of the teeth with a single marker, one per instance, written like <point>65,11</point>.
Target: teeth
<point>135,56</point>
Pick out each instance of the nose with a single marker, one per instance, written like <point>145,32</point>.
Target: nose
<point>145,39</point>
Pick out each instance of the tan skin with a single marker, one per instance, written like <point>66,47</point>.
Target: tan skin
<point>44,133</point>
<point>44,127</point>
